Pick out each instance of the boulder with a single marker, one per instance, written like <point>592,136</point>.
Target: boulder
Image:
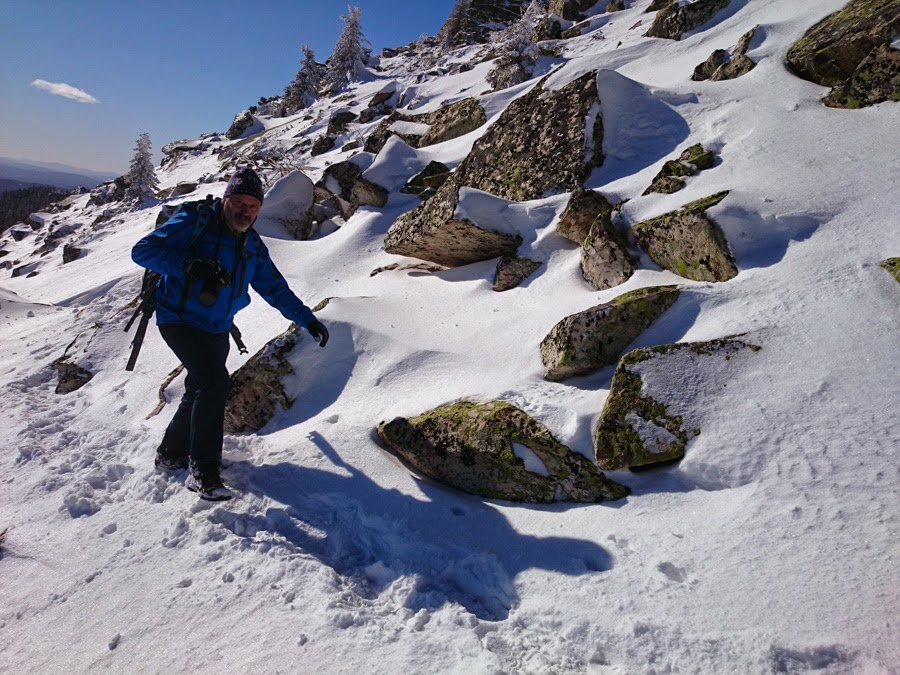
<point>71,253</point>
<point>511,271</point>
<point>446,123</point>
<point>111,191</point>
<point>71,376</point>
<point>657,5</point>
<point>588,341</point>
<point>892,265</point>
<point>417,185</point>
<point>705,70</point>
<point>570,10</point>
<point>345,182</point>
<point>737,66</point>
<point>495,451</point>
<point>722,65</point>
<point>691,160</point>
<point>876,79</point>
<point>338,122</point>
<point>676,19</point>
<point>637,427</point>
<point>582,210</point>
<point>615,6</point>
<point>289,203</point>
<point>605,260</point>
<point>688,242</point>
<point>257,392</point>
<point>242,122</point>
<point>183,189</point>
<point>547,28</point>
<point>433,232</point>
<point>322,145</point>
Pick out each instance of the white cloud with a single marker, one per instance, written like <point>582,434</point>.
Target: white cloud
<point>65,90</point>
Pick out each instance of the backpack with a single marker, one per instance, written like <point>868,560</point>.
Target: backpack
<point>146,299</point>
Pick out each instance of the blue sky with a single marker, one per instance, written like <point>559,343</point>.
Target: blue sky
<point>175,69</point>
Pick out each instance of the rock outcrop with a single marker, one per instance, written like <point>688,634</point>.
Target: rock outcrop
<point>344,181</point>
<point>688,242</point>
<point>242,122</point>
<point>724,65</point>
<point>585,342</point>
<point>669,179</point>
<point>677,19</point>
<point>851,51</point>
<point>446,123</point>
<point>70,376</point>
<point>636,427</point>
<point>495,451</point>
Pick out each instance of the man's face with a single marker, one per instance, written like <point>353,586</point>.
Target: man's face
<point>240,212</point>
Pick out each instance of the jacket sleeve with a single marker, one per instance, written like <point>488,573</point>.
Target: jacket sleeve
<point>273,287</point>
<point>165,249</point>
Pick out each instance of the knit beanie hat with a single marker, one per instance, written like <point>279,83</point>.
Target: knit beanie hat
<point>245,182</point>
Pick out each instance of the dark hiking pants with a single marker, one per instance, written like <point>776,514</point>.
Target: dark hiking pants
<point>197,428</point>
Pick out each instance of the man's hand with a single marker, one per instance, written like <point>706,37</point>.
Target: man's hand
<point>201,268</point>
<point>318,331</point>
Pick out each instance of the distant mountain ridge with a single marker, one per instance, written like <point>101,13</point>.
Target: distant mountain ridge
<point>19,173</point>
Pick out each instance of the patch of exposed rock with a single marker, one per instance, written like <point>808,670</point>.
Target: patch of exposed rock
<point>242,121</point>
<point>478,448</point>
<point>570,10</point>
<point>677,19</point>
<point>637,427</point>
<point>850,50</point>
<point>257,392</point>
<point>669,179</point>
<point>688,242</point>
<point>428,180</point>
<point>344,181</point>
<point>588,341</point>
<point>111,191</point>
<point>448,122</point>
<point>724,65</point>
<point>70,376</point>
<point>583,208</point>
<point>512,270</point>
<point>892,265</point>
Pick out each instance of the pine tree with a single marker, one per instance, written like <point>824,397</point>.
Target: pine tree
<point>347,61</point>
<point>451,34</point>
<point>141,175</point>
<point>517,49</point>
<point>305,87</point>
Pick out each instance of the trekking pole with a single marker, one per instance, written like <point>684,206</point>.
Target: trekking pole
<point>138,338</point>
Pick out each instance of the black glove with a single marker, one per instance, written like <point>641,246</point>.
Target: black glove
<point>201,268</point>
<point>318,331</point>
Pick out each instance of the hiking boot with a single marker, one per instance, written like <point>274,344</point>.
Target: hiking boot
<point>206,481</point>
<point>165,463</point>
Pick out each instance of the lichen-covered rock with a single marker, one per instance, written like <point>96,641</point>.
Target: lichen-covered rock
<point>677,19</point>
<point>688,242</point>
<point>595,338</point>
<point>540,144</point>
<point>875,80</point>
<point>478,448</point>
<point>688,163</point>
<point>345,182</point>
<point>722,65</point>
<point>419,184</point>
<point>582,210</point>
<point>705,70</point>
<point>605,260</point>
<point>892,265</point>
<point>737,66</point>
<point>512,270</point>
<point>831,51</point>
<point>699,156</point>
<point>433,232</point>
<point>70,376</point>
<point>257,392</point>
<point>636,427</point>
<point>570,10</point>
<point>448,122</point>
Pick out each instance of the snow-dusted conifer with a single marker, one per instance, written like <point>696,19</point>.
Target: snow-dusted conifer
<point>517,49</point>
<point>348,60</point>
<point>305,87</point>
<point>141,174</point>
<point>451,34</point>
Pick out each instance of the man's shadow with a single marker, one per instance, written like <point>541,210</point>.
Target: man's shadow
<point>456,547</point>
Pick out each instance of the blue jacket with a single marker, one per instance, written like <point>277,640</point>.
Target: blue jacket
<point>167,249</point>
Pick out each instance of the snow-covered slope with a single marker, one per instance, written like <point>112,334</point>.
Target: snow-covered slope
<point>772,547</point>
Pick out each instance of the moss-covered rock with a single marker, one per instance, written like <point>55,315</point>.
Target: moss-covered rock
<point>472,447</point>
<point>688,242</point>
<point>582,210</point>
<point>605,260</point>
<point>512,270</point>
<point>418,184</point>
<point>892,265</point>
<point>676,19</point>
<point>585,342</point>
<point>257,392</point>
<point>637,427</point>
<point>850,50</point>
<point>693,159</point>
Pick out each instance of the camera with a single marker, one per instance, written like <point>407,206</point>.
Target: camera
<point>213,276</point>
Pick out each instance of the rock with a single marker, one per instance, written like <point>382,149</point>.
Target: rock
<point>831,51</point>
<point>588,341</point>
<point>547,28</point>
<point>183,189</point>
<point>71,253</point>
<point>242,122</point>
<point>677,19</point>
<point>636,427</point>
<point>688,242</point>
<point>706,69</point>
<point>512,270</point>
<point>892,265</point>
<point>322,145</point>
<point>570,10</point>
<point>605,261</point>
<point>690,161</point>
<point>257,392</point>
<point>344,180</point>
<point>699,156</point>
<point>739,65</point>
<point>876,79</point>
<point>111,191</point>
<point>433,232</point>
<point>337,123</point>
<point>166,211</point>
<point>615,6</point>
<point>417,184</point>
<point>475,448</point>
<point>446,123</point>
<point>289,203</point>
<point>576,31</point>
<point>657,5</point>
<point>584,207</point>
<point>71,377</point>
<point>383,96</point>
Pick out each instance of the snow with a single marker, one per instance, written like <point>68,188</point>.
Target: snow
<point>772,547</point>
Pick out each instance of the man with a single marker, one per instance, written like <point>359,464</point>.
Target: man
<point>208,256</point>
